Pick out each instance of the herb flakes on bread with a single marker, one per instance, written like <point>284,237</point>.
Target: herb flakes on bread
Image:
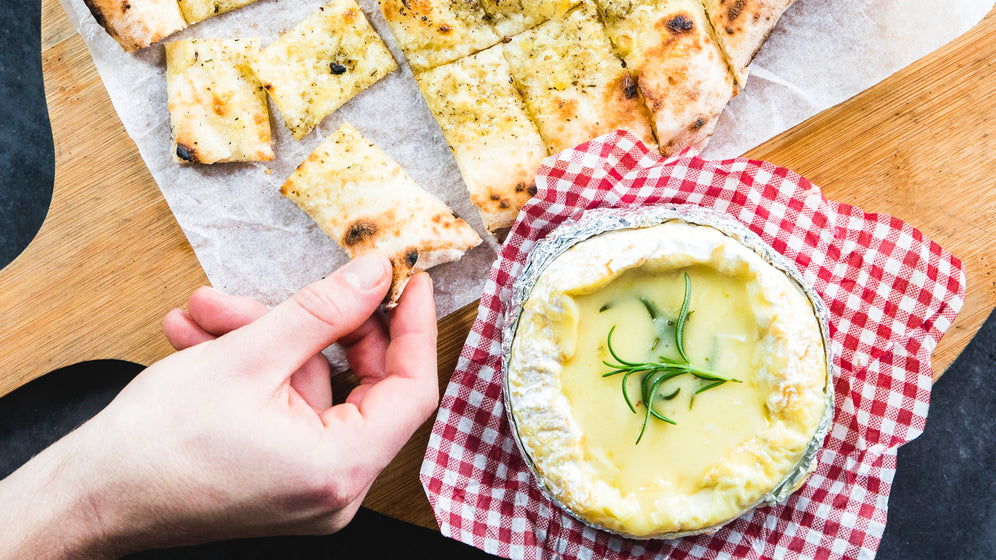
<point>321,63</point>
<point>364,200</point>
<point>217,106</point>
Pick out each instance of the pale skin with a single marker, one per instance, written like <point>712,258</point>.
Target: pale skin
<point>235,435</point>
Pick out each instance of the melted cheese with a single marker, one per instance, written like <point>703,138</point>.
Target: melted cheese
<point>721,336</point>
<point>734,444</point>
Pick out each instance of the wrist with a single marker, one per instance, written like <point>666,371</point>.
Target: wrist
<point>48,508</point>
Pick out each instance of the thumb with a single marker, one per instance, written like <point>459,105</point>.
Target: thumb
<point>313,318</point>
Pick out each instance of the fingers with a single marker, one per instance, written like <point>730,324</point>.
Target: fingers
<point>282,340</point>
<point>219,313</point>
<point>313,383</point>
<point>182,331</point>
<point>365,349</point>
<point>389,411</point>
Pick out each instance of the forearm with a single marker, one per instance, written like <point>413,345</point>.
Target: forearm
<point>47,510</point>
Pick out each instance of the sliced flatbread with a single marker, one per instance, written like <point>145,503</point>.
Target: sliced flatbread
<point>574,86</point>
<point>434,32</point>
<point>497,148</point>
<point>742,26</point>
<point>680,70</point>
<point>363,200</point>
<point>511,17</point>
<point>137,23</point>
<point>321,63</point>
<point>217,106</point>
<point>199,10</point>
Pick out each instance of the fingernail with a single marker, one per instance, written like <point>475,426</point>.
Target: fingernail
<point>365,271</point>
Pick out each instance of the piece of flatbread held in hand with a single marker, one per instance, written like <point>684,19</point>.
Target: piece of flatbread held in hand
<point>364,200</point>
<point>321,63</point>
<point>483,117</point>
<point>217,106</point>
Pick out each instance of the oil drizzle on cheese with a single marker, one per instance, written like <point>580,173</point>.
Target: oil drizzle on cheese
<point>721,335</point>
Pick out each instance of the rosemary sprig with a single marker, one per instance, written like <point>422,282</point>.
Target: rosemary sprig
<point>664,369</point>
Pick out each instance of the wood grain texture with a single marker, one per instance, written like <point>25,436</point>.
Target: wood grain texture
<point>110,260</point>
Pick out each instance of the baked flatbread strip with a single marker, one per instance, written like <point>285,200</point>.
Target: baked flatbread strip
<point>742,26</point>
<point>137,23</point>
<point>321,63</point>
<point>497,148</point>
<point>199,10</point>
<point>680,70</point>
<point>363,200</point>
<point>511,17</point>
<point>434,32</point>
<point>217,107</point>
<point>574,85</point>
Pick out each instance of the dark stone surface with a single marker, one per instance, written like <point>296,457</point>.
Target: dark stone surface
<point>942,499</point>
<point>27,161</point>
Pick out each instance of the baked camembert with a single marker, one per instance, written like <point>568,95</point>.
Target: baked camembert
<point>687,297</point>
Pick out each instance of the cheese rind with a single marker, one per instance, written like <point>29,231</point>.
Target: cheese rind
<point>321,63</point>
<point>783,383</point>
<point>217,106</point>
<point>364,200</point>
<point>574,85</point>
<point>496,147</point>
<point>681,72</point>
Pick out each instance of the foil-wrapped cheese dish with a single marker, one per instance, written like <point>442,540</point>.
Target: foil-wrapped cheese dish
<point>686,310</point>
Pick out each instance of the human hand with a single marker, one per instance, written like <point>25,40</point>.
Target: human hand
<point>235,435</point>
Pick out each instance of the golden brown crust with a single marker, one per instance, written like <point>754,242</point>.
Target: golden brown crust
<point>137,23</point>
<point>680,70</point>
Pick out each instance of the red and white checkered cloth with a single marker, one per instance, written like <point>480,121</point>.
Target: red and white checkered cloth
<point>891,293</point>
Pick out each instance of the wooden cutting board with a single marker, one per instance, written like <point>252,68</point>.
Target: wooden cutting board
<point>110,260</point>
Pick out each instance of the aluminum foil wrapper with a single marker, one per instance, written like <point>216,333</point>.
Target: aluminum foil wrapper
<point>598,221</point>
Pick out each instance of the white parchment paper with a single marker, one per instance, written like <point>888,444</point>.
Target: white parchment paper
<point>251,241</point>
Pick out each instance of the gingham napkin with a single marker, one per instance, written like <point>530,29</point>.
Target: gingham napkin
<point>891,293</point>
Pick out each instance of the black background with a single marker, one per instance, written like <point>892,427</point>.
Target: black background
<point>942,501</point>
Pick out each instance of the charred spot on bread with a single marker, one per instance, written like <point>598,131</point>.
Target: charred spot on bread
<point>699,123</point>
<point>532,189</point>
<point>680,24</point>
<point>186,153</point>
<point>735,9</point>
<point>337,68</point>
<point>629,87</point>
<point>411,257</point>
<point>359,231</point>
<point>98,15</point>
